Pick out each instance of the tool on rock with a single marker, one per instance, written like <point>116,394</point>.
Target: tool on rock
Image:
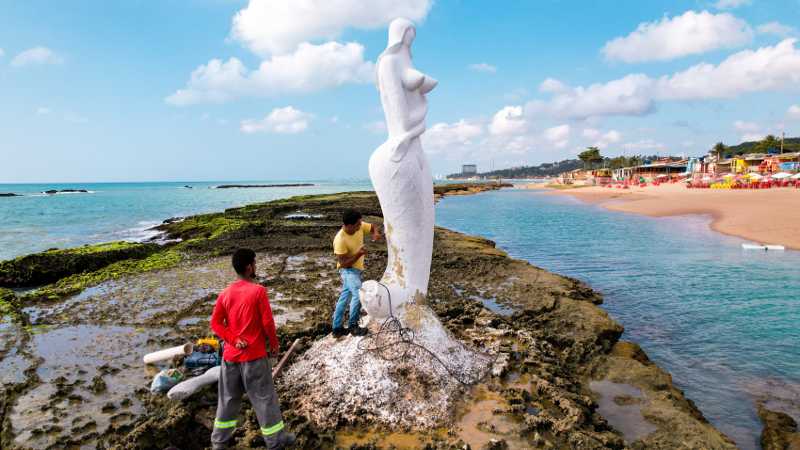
<point>186,389</point>
<point>279,367</point>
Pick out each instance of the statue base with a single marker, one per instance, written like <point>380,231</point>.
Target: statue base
<point>396,376</point>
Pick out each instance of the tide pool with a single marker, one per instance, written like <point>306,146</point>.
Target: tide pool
<point>723,321</point>
<point>124,211</point>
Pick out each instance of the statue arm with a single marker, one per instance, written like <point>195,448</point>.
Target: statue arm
<point>400,148</point>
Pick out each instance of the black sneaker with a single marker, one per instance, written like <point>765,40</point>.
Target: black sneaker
<point>339,332</point>
<point>280,441</point>
<point>358,331</point>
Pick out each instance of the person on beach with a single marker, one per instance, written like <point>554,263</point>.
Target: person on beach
<point>348,246</point>
<point>242,317</point>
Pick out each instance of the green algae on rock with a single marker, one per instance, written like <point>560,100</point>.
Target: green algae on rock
<point>51,265</point>
<point>74,284</point>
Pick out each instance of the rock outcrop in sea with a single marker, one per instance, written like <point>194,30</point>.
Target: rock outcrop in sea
<point>70,350</point>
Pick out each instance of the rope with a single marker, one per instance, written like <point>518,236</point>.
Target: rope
<point>391,335</point>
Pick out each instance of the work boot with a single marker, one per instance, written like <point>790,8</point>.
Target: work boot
<point>280,440</point>
<point>339,332</point>
<point>358,331</point>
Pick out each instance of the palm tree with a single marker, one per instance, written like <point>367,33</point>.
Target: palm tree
<point>719,149</point>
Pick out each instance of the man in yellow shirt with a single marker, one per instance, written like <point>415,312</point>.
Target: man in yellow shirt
<point>348,246</point>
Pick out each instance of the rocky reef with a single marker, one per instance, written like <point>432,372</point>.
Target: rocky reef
<point>70,351</point>
<point>250,186</point>
<point>50,266</point>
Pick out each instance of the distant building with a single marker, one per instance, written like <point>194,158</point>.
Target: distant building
<point>469,169</point>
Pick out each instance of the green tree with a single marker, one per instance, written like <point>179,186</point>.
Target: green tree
<point>768,143</point>
<point>590,156</point>
<point>719,149</point>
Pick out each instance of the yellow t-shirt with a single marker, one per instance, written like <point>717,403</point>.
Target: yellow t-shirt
<point>348,244</point>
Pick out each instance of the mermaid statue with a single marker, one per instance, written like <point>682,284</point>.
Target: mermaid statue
<point>402,180</point>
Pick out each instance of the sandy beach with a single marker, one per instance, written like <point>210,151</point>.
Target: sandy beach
<point>769,216</point>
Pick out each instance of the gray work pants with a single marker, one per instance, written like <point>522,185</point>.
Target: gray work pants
<point>255,378</point>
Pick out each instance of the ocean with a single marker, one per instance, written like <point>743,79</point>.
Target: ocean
<point>124,211</point>
<point>721,320</point>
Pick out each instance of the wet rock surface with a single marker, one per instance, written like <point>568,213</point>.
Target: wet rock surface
<point>780,430</point>
<point>72,371</point>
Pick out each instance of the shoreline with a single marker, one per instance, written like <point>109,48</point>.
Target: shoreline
<point>556,342</point>
<point>748,215</point>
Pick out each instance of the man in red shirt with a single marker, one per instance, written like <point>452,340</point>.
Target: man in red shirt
<point>243,319</point>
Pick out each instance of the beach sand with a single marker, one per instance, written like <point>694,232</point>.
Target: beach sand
<point>768,216</point>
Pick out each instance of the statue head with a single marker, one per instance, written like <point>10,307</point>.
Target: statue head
<point>401,33</point>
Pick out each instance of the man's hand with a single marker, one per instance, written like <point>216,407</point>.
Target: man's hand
<point>240,343</point>
<point>361,252</point>
<point>376,234</point>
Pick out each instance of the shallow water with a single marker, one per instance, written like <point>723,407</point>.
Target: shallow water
<point>723,321</point>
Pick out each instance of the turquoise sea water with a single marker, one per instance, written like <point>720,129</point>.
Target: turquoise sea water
<point>723,321</point>
<point>123,211</point>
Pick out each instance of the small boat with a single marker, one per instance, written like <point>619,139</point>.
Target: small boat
<point>762,247</point>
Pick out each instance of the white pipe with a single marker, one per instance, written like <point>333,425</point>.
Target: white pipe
<point>168,353</point>
<point>186,389</point>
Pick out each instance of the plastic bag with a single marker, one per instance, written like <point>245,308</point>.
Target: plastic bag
<point>165,380</point>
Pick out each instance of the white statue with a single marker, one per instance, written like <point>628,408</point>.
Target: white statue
<point>402,179</point>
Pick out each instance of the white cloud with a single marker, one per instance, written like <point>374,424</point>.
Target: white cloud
<point>746,126</point>
<point>731,4</point>
<point>600,139</point>
<point>644,145</point>
<point>36,56</point>
<point>749,131</point>
<point>310,68</point>
<point>689,34</point>
<point>752,137</point>
<point>278,26</point>
<point>2,52</point>
<point>483,67</point>
<point>773,68</point>
<point>777,29</point>
<point>286,120</point>
<point>631,95</point>
<point>446,136</point>
<point>509,120</point>
<point>42,110</point>
<point>794,112</point>
<point>765,69</point>
<point>552,85</point>
<point>558,135</point>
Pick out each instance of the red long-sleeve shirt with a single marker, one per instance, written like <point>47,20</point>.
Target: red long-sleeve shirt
<point>242,312</point>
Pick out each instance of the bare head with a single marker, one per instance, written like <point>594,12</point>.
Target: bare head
<point>351,221</point>
<point>244,263</point>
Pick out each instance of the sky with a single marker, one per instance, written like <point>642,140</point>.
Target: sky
<point>183,90</point>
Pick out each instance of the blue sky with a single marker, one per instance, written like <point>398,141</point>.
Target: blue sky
<point>282,89</point>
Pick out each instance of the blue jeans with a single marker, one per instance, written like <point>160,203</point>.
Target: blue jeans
<point>351,283</point>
